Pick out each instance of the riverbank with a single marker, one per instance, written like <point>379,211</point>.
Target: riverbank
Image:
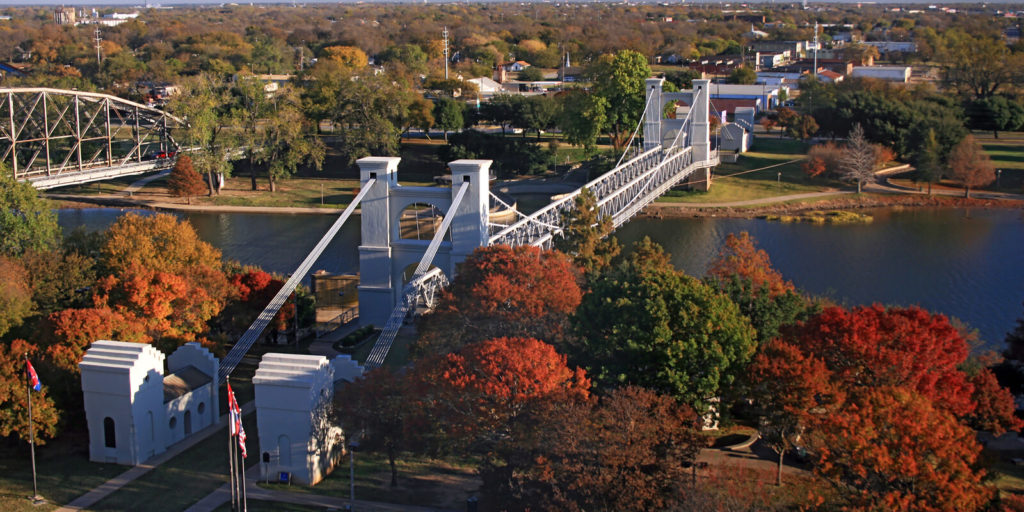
<point>846,201</point>
<point>71,201</point>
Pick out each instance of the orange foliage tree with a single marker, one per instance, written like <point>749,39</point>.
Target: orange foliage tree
<point>894,449</point>
<point>69,333</point>
<point>995,405</point>
<point>501,291</point>
<point>740,257</point>
<point>486,399</point>
<point>184,181</point>
<point>970,165</point>
<point>14,400</point>
<point>254,289</point>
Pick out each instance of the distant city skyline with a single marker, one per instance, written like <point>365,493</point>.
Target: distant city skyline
<point>179,3</point>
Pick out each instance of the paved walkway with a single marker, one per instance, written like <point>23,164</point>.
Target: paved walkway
<point>107,488</point>
<point>763,200</point>
<point>255,493</point>
<point>138,184</point>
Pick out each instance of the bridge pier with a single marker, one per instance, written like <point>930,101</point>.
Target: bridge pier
<point>384,255</point>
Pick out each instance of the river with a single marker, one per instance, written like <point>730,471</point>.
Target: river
<point>965,263</point>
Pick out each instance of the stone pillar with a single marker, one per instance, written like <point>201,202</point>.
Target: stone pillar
<point>469,226</point>
<point>700,129</point>
<point>376,290</point>
<point>652,120</point>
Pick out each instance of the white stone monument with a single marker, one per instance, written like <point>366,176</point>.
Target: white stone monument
<point>294,400</point>
<point>133,410</point>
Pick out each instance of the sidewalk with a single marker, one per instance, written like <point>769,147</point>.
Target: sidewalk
<point>110,486</point>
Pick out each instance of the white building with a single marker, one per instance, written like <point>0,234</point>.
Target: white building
<point>133,410</point>
<point>294,400</point>
<point>888,73</point>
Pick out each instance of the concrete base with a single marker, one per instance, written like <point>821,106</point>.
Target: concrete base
<point>700,180</point>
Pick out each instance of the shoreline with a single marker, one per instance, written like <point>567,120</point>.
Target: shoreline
<point>655,210</point>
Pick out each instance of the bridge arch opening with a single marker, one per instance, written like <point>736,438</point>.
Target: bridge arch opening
<point>420,221</point>
<point>408,271</point>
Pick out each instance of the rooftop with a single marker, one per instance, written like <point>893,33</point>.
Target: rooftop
<point>183,382</point>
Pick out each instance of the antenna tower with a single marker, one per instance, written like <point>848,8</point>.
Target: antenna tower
<point>445,34</point>
<point>98,46</point>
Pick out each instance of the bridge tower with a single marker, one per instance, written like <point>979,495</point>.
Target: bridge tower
<point>696,128</point>
<point>384,255</point>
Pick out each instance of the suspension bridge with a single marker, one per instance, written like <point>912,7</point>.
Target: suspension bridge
<point>54,138</point>
<point>667,152</point>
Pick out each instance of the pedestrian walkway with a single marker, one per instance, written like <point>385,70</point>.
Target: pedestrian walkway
<point>110,486</point>
<point>138,184</point>
<point>755,202</point>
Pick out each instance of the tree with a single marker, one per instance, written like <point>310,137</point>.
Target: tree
<point>184,181</point>
<point>768,123</point>
<point>742,75</point>
<point>485,399</point>
<point>421,116</point>
<point>204,102</point>
<point>15,294</point>
<point>448,114</point>
<point>995,405</point>
<point>349,56</point>
<point>67,334</point>
<point>970,165</point>
<point>822,159</point>
<point>531,74</point>
<point>498,291</point>
<point>587,234</point>
<point>928,161</point>
<point>289,138</point>
<point>996,113</point>
<point>788,387</point>
<point>158,242</point>
<point>892,449</point>
<point>977,65</point>
<point>377,404</point>
<point>858,160</point>
<point>655,327</point>
<point>27,221</point>
<point>874,346</point>
<point>803,127</point>
<point>620,80</point>
<point>59,278</point>
<point>582,118</point>
<point>740,257</point>
<point>251,107</point>
<point>14,400</point>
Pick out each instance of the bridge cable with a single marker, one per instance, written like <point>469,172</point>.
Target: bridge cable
<point>387,336</point>
<point>244,343</point>
<point>629,143</point>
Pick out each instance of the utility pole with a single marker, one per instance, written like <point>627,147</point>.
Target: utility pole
<point>98,47</point>
<point>445,34</point>
<point>816,49</point>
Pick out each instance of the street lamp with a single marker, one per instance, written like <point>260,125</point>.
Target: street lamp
<point>999,174</point>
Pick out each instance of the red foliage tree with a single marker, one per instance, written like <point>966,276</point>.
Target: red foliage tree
<point>741,257</point>
<point>873,346</point>
<point>184,181</point>
<point>995,405</point>
<point>14,399</point>
<point>71,331</point>
<point>255,289</point>
<point>789,388</point>
<point>501,291</point>
<point>892,449</point>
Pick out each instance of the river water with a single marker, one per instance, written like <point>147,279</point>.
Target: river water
<point>964,263</point>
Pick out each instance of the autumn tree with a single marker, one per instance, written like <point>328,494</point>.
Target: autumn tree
<point>789,388</point>
<point>184,181</point>
<point>894,449</point>
<point>60,278</point>
<point>995,406</point>
<point>587,234</point>
<point>67,334</point>
<point>970,165</point>
<point>27,221</point>
<point>159,242</point>
<point>822,159</point>
<point>377,405</point>
<point>740,257</point>
<point>14,399</point>
<point>205,104</point>
<point>349,56</point>
<point>857,162</point>
<point>500,291</point>
<point>15,294</point>
<point>484,398</point>
<point>656,327</point>
<point>620,80</point>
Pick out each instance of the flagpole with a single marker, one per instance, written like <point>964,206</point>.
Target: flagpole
<point>31,434</point>
<point>245,504</point>
<point>231,454</point>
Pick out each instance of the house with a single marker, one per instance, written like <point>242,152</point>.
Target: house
<point>760,97</point>
<point>770,60</point>
<point>796,49</point>
<point>720,65</point>
<point>486,87</point>
<point>887,47</point>
<point>829,77</point>
<point>134,410</point>
<point>516,66</point>
<point>887,73</point>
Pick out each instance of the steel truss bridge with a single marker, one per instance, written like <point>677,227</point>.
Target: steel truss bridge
<point>52,137</point>
<point>672,151</point>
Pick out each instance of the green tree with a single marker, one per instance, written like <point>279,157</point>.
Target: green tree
<point>929,161</point>
<point>252,106</point>
<point>204,103</point>
<point>448,114</point>
<point>742,75</point>
<point>587,234</point>
<point>582,118</point>
<point>620,80</point>
<point>648,324</point>
<point>15,294</point>
<point>531,74</point>
<point>996,113</point>
<point>289,138</point>
<point>977,65</point>
<point>27,221</point>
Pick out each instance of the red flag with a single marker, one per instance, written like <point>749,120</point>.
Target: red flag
<point>241,439</point>
<point>32,377</point>
<point>234,413</point>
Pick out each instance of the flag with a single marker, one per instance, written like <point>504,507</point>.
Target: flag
<point>33,379</point>
<point>234,413</point>
<point>241,439</point>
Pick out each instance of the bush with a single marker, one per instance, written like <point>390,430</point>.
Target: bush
<point>823,159</point>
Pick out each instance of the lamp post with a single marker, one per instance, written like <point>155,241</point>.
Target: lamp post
<point>999,174</point>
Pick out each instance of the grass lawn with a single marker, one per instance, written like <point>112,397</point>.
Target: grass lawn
<point>767,151</point>
<point>421,481</point>
<point>63,472</point>
<point>183,480</point>
<point>398,355</point>
<point>1008,155</point>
